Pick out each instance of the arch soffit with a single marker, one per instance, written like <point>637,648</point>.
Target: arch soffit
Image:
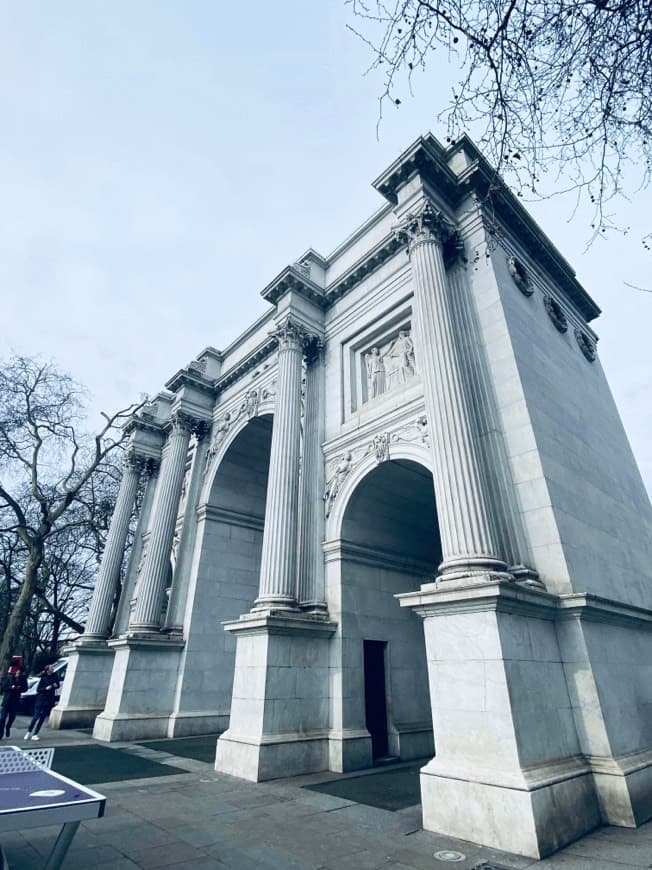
<point>418,453</point>
<point>265,409</point>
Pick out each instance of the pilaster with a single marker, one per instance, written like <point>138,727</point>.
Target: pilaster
<point>179,591</point>
<point>311,558</point>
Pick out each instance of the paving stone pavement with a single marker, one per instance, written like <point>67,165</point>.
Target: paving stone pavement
<point>204,819</point>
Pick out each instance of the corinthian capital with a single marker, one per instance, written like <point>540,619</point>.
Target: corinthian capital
<point>133,461</point>
<point>183,422</point>
<point>426,225</point>
<point>290,335</point>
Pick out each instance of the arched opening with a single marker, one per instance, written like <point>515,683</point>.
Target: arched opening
<point>225,578</point>
<point>389,544</point>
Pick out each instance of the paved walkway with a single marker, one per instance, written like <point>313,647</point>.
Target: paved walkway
<point>201,819</point>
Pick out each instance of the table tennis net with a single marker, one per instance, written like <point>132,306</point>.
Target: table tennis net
<point>25,760</point>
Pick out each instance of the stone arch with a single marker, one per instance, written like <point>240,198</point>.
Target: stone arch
<point>387,543</point>
<point>418,453</point>
<point>225,572</point>
<point>265,409</point>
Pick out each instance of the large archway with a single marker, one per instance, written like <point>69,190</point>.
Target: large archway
<point>389,543</point>
<point>225,574</point>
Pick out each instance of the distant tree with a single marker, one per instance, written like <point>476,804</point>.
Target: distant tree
<point>554,86</point>
<point>56,494</point>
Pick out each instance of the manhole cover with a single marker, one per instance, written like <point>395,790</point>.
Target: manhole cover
<point>449,855</point>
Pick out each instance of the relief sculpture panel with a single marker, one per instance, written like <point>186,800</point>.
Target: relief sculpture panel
<point>390,365</point>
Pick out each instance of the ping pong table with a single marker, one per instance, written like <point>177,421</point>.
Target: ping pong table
<point>32,796</point>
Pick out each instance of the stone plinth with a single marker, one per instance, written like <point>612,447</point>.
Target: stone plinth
<point>141,691</point>
<point>85,687</point>
<point>279,710</point>
<point>509,770</point>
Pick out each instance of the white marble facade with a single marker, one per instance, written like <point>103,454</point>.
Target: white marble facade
<point>397,517</point>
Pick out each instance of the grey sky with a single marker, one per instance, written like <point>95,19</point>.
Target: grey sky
<point>160,162</point>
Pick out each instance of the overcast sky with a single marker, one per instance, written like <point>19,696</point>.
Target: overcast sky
<point>160,162</point>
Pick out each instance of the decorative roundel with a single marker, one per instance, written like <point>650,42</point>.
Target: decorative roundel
<point>555,313</point>
<point>520,276</point>
<point>585,344</point>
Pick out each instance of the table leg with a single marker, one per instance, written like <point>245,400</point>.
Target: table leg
<point>60,848</point>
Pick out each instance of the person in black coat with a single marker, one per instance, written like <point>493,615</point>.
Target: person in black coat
<point>46,697</point>
<point>13,686</point>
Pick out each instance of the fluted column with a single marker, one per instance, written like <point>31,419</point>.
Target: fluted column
<point>500,485</point>
<point>179,591</point>
<point>311,558</point>
<point>279,556</point>
<point>99,616</point>
<point>468,540</point>
<point>151,585</point>
<point>122,618</point>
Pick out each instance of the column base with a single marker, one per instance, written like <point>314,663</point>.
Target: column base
<point>197,722</point>
<point>533,819</point>
<point>141,692</point>
<point>280,705</point>
<point>624,787</point>
<point>86,685</point>
<point>349,749</point>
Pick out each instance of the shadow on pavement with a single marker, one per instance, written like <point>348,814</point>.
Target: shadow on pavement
<point>92,764</point>
<point>386,790</point>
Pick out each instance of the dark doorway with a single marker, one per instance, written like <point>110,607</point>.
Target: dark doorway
<point>375,696</point>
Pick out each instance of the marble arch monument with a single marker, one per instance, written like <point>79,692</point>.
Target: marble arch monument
<point>398,516</point>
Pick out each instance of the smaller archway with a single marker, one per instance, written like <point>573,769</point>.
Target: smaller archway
<point>389,545</point>
<point>225,571</point>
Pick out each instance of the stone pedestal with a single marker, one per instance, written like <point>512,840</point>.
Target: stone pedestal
<point>141,690</point>
<point>85,688</point>
<point>280,707</point>
<point>509,770</point>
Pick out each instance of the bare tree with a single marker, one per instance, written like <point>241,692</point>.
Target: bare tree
<point>50,471</point>
<point>560,87</point>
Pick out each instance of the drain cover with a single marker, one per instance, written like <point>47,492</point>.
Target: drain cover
<point>449,855</point>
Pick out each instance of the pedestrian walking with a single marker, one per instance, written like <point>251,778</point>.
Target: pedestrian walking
<point>13,686</point>
<point>46,696</point>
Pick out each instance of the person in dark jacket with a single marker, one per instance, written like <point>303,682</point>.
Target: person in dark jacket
<point>13,686</point>
<point>46,697</point>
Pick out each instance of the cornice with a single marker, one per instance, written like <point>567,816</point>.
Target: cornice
<point>293,279</point>
<point>189,378</point>
<point>481,179</point>
<point>425,156</point>
<point>138,423</point>
<point>257,355</point>
<point>376,258</point>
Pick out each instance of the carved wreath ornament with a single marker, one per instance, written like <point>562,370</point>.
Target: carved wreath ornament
<point>520,276</point>
<point>555,313</point>
<point>585,344</point>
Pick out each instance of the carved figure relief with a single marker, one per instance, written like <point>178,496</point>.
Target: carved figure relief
<point>390,366</point>
<point>375,372</point>
<point>335,482</point>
